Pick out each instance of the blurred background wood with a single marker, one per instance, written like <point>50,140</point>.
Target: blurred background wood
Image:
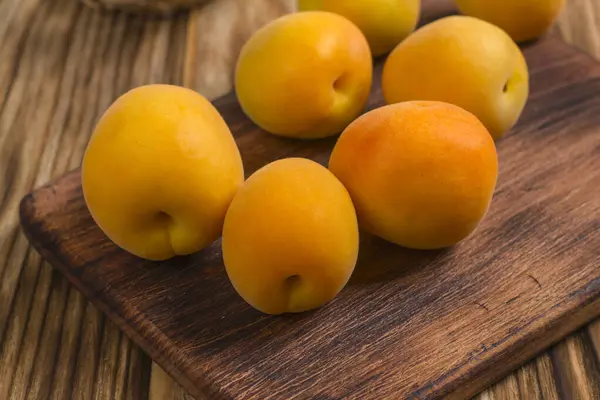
<point>579,24</point>
<point>62,65</point>
<point>164,7</point>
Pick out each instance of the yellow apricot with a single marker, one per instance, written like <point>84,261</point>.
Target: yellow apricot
<point>160,171</point>
<point>385,23</point>
<point>522,19</point>
<point>304,75</point>
<point>290,240</point>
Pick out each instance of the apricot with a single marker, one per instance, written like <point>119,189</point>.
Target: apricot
<point>160,171</point>
<point>464,61</point>
<point>522,19</point>
<point>305,75</point>
<point>421,174</point>
<point>385,23</point>
<point>290,240</point>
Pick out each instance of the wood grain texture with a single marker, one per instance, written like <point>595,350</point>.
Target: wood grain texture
<point>68,64</point>
<point>79,84</point>
<point>410,324</point>
<point>161,7</point>
<point>579,24</point>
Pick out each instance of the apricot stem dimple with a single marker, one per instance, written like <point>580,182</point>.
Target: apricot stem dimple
<point>163,218</point>
<point>505,87</point>
<point>292,281</point>
<point>338,84</point>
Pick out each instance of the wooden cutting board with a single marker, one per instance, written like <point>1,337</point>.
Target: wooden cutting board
<point>409,324</point>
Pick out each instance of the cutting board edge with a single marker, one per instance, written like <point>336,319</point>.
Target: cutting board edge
<point>541,339</point>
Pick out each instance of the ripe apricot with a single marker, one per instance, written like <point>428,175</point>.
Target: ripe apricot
<point>304,75</point>
<point>421,174</point>
<point>290,239</point>
<point>522,19</point>
<point>464,61</point>
<point>385,23</point>
<point>160,171</point>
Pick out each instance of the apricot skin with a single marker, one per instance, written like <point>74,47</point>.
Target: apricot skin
<point>420,174</point>
<point>290,240</point>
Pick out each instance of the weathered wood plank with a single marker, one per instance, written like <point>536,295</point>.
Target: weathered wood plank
<point>67,64</point>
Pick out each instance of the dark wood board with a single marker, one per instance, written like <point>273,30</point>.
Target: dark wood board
<point>409,324</point>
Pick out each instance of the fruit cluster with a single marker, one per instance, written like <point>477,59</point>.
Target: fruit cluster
<point>162,175</point>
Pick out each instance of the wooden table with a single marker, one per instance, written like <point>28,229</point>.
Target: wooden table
<point>61,65</point>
